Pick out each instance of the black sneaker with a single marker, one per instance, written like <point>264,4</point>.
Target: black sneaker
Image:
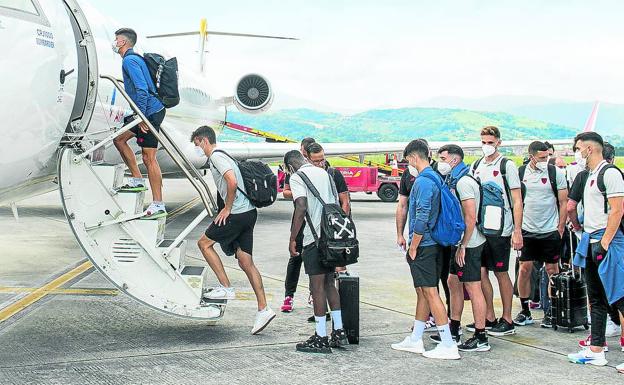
<point>502,328</point>
<point>436,338</point>
<point>523,319</point>
<point>327,318</point>
<point>315,344</point>
<point>488,325</point>
<point>547,321</point>
<point>338,338</point>
<point>473,344</point>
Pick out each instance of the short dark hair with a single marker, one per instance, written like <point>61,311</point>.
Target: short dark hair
<point>536,146</point>
<point>491,130</point>
<point>608,151</point>
<point>549,145</point>
<point>314,148</point>
<point>293,156</point>
<point>129,34</point>
<point>204,132</point>
<point>307,141</point>
<point>452,149</point>
<point>417,147</point>
<point>589,136</point>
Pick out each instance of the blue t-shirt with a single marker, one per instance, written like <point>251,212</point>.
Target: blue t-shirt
<point>424,206</point>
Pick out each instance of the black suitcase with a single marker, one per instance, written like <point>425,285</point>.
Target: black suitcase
<point>568,301</point>
<point>349,290</point>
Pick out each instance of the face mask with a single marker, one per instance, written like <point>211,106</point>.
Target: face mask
<point>541,165</point>
<point>444,168</point>
<point>412,171</point>
<point>199,151</point>
<point>488,149</point>
<point>114,46</point>
<point>578,158</point>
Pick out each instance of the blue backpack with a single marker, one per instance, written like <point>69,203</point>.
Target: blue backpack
<point>491,215</point>
<point>450,225</point>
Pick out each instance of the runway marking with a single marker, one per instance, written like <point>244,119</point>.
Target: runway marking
<point>69,291</point>
<point>41,292</point>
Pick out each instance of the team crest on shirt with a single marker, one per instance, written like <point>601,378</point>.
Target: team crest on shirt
<point>544,180</point>
<point>591,183</point>
<point>496,172</point>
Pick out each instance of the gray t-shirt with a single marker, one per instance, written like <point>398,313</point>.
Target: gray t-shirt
<point>540,204</point>
<point>219,165</point>
<point>487,172</point>
<point>324,184</point>
<point>468,188</point>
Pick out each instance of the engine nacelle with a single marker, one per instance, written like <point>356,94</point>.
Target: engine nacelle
<point>253,95</point>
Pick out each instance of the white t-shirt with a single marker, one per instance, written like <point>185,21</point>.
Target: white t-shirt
<point>219,165</point>
<point>325,186</point>
<point>490,172</point>
<point>468,188</point>
<point>572,171</point>
<point>593,200</point>
<point>540,203</point>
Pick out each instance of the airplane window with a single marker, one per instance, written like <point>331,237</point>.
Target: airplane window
<point>20,5</point>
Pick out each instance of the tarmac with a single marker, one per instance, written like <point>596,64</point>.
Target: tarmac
<point>62,322</point>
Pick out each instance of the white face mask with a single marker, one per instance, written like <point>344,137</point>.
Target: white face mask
<point>199,151</point>
<point>578,157</point>
<point>488,149</point>
<point>114,46</point>
<point>412,171</point>
<point>444,168</point>
<point>541,166</point>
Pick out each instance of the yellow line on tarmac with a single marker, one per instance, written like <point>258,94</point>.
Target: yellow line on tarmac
<point>69,291</point>
<point>41,292</point>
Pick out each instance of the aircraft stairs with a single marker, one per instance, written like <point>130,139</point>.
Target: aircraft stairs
<point>130,250</point>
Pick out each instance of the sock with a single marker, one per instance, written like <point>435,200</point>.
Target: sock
<point>159,203</point>
<point>480,334</point>
<point>321,326</point>
<point>134,182</point>
<point>419,329</point>
<point>454,326</point>
<point>336,316</point>
<point>525,305</point>
<point>445,336</point>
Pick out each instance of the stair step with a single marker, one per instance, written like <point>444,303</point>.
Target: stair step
<point>131,202</point>
<point>111,176</point>
<point>177,255</point>
<point>153,230</point>
<point>194,276</point>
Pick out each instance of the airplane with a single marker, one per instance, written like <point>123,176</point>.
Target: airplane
<point>56,107</point>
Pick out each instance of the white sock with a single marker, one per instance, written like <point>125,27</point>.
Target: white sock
<point>419,329</point>
<point>445,335</point>
<point>135,181</point>
<point>336,316</point>
<point>321,326</point>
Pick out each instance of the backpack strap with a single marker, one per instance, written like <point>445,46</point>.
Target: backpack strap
<point>236,162</point>
<point>601,185</point>
<point>521,171</point>
<point>552,177</point>
<point>584,175</point>
<point>475,165</point>
<point>503,170</point>
<point>480,194</point>
<point>316,194</point>
<point>153,93</point>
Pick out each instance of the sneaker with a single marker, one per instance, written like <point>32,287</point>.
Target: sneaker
<point>547,321</point>
<point>473,344</point>
<point>586,342</point>
<point>310,303</point>
<point>621,343</point>
<point>488,325</point>
<point>133,185</point>
<point>311,319</point>
<point>442,352</point>
<point>263,318</point>
<point>586,356</point>
<point>408,345</point>
<point>523,319</point>
<point>502,328</point>
<point>436,337</point>
<point>288,305</point>
<point>220,292</point>
<point>155,211</point>
<point>620,368</point>
<point>430,325</point>
<point>315,344</point>
<point>612,329</point>
<point>338,338</point>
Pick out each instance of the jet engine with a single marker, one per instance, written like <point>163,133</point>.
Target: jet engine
<point>253,95</point>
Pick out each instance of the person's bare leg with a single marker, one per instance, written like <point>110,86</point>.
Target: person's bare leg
<point>457,297</point>
<point>206,246</point>
<point>436,305</point>
<point>478,303</point>
<point>488,294</point>
<point>331,292</point>
<point>319,297</point>
<point>121,143</point>
<point>245,261</point>
<point>524,279</point>
<point>153,173</point>
<point>506,291</point>
<point>422,306</point>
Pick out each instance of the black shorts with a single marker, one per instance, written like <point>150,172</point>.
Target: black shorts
<point>471,271</point>
<point>496,253</point>
<point>147,140</point>
<point>312,261</point>
<point>237,232</point>
<point>427,267</point>
<point>544,248</point>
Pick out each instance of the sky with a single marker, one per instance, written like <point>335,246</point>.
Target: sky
<point>362,54</point>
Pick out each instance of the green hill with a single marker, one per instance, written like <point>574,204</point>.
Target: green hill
<point>401,124</point>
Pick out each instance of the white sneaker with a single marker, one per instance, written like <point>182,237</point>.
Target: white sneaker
<point>586,356</point>
<point>154,211</point>
<point>620,368</point>
<point>263,318</point>
<point>221,292</point>
<point>408,345</point>
<point>442,352</point>
<point>612,329</point>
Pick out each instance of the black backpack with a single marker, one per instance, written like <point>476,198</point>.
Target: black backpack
<point>164,74</point>
<point>337,244</point>
<point>259,180</point>
<point>552,177</point>
<point>601,187</point>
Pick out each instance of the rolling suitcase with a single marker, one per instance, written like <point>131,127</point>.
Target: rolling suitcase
<point>349,290</point>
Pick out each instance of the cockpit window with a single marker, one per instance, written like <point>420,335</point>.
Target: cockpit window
<point>20,5</point>
<point>28,10</point>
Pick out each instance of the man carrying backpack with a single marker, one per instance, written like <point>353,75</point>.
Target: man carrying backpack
<point>503,175</point>
<point>424,256</point>
<point>232,228</point>
<point>312,189</point>
<point>545,198</point>
<point>140,87</point>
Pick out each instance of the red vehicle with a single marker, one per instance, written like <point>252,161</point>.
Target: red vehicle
<point>369,180</point>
